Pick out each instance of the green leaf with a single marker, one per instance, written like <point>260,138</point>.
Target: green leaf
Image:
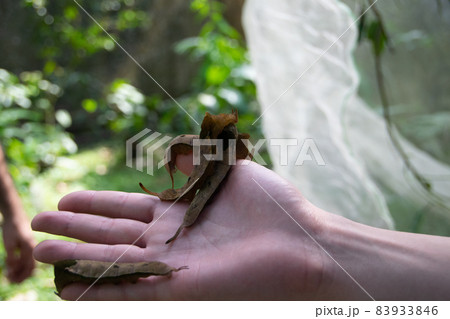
<point>70,13</point>
<point>89,105</point>
<point>216,74</point>
<point>10,117</point>
<point>186,45</point>
<point>377,36</point>
<point>49,67</point>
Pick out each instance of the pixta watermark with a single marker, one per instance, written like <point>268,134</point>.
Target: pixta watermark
<point>141,149</point>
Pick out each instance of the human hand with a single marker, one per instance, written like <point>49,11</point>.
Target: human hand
<point>242,247</point>
<point>19,243</point>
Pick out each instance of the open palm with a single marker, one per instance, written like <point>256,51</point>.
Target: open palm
<point>248,243</point>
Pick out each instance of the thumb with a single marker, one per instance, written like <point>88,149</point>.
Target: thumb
<point>184,163</point>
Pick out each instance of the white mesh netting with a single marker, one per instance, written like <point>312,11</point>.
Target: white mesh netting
<point>311,42</point>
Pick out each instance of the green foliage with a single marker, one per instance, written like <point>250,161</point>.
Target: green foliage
<point>38,108</point>
<point>218,45</point>
<point>68,43</point>
<point>127,108</point>
<point>65,35</point>
<point>31,131</point>
<point>373,29</point>
<point>378,37</point>
<point>225,80</point>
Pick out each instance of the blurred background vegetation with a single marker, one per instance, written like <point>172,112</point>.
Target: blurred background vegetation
<point>70,96</point>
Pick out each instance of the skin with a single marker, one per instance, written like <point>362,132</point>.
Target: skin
<point>243,246</point>
<point>17,236</point>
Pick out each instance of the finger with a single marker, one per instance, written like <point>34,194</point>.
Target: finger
<point>151,288</point>
<point>184,163</point>
<point>22,271</point>
<point>26,261</point>
<point>14,273</point>
<point>91,228</point>
<point>111,204</point>
<point>10,243</point>
<point>20,266</point>
<point>13,268</point>
<point>50,251</point>
<point>181,285</point>
<point>83,292</point>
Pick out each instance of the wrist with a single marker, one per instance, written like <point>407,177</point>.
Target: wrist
<point>348,264</point>
<point>341,256</point>
<point>313,267</point>
<point>372,263</point>
<point>16,222</point>
<point>14,217</point>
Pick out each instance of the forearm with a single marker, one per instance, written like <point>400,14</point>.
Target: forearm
<point>10,203</point>
<point>383,264</point>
